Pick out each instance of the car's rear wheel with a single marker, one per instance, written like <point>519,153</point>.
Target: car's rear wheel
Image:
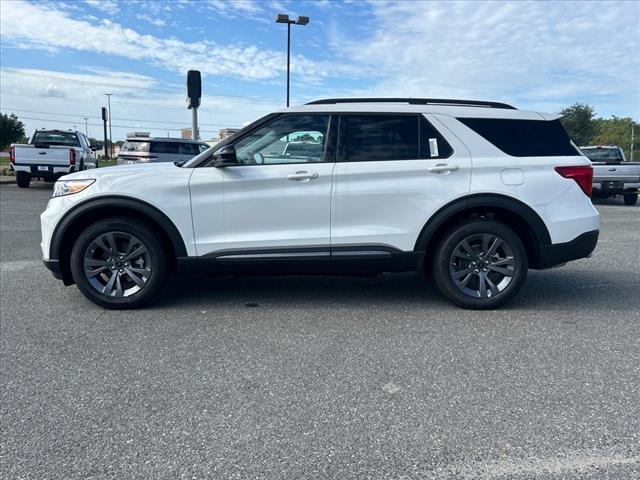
<point>480,264</point>
<point>23,179</point>
<point>118,263</point>
<point>630,198</point>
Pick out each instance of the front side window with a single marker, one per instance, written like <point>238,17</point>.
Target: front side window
<point>189,149</point>
<point>287,139</point>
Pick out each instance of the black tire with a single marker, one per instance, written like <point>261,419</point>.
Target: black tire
<point>510,255</point>
<point>116,271</point>
<point>23,179</point>
<point>630,198</point>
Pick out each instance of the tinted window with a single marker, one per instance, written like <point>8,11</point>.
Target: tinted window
<point>56,138</point>
<point>524,138</point>
<point>278,141</point>
<point>379,137</point>
<point>189,149</point>
<point>165,147</point>
<point>432,144</point>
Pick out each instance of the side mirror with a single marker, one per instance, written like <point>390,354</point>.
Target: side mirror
<point>225,157</point>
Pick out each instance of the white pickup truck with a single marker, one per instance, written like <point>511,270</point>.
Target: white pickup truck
<point>49,155</point>
<point>612,174</point>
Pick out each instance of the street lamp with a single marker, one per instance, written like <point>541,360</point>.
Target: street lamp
<point>110,137</point>
<point>282,18</point>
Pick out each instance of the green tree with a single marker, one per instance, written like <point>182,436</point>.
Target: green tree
<point>11,130</point>
<point>579,123</point>
<point>617,131</point>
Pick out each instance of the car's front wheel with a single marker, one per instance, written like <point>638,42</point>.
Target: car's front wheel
<point>480,264</point>
<point>118,263</point>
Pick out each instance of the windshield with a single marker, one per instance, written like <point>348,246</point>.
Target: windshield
<point>135,146</point>
<point>69,139</point>
<point>602,154</point>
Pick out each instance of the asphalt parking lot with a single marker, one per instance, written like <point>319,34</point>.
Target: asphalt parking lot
<point>321,377</point>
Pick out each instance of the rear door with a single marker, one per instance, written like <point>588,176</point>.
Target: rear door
<point>394,171</point>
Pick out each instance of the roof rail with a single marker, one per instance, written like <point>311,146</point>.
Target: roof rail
<point>416,101</point>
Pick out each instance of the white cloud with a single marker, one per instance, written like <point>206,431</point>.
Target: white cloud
<point>526,52</point>
<point>108,37</point>
<point>107,6</point>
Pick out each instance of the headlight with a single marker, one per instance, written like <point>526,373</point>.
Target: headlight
<point>69,187</point>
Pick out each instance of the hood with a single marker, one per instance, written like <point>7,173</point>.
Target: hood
<point>140,170</point>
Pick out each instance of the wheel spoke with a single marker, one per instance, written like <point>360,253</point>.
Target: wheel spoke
<point>92,262</point>
<point>139,281</point>
<point>482,288</point>
<point>112,243</point>
<point>119,290</point>
<point>486,238</point>
<point>494,246</point>
<point>92,273</point>
<point>130,245</point>
<point>100,242</point>
<point>492,286</point>
<point>108,288</point>
<point>137,252</point>
<point>462,273</point>
<point>510,261</point>
<point>464,281</point>
<point>501,270</point>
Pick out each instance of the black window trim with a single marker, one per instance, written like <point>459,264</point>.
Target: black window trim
<point>340,154</point>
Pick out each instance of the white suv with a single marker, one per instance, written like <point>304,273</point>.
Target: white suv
<point>474,192</point>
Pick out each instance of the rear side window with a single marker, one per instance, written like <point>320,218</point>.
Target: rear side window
<point>165,147</point>
<point>189,149</point>
<point>524,138</point>
<point>383,137</point>
<point>367,138</point>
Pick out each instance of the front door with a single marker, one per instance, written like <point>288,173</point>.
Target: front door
<point>277,200</point>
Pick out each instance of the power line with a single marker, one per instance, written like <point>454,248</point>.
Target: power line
<point>9,109</point>
<point>136,104</point>
<point>99,125</point>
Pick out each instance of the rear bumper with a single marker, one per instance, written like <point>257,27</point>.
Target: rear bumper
<point>580,247</point>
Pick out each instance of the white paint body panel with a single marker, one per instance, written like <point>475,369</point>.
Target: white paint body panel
<point>384,203</point>
<point>257,206</point>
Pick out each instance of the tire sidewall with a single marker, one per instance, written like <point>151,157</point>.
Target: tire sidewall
<point>146,236</point>
<point>443,254</point>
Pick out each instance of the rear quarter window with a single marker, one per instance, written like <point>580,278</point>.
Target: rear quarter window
<point>524,138</point>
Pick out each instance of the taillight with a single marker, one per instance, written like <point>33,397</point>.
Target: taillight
<point>583,175</point>
<point>72,157</point>
<point>12,154</point>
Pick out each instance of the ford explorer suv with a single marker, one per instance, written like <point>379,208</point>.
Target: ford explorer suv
<point>612,174</point>
<point>159,149</point>
<point>49,155</point>
<point>474,192</point>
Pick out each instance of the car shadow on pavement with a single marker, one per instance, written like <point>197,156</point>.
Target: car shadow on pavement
<point>543,290</point>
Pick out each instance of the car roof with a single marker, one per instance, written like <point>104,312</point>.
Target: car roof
<point>462,108</point>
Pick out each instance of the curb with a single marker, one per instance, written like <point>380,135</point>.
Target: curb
<point>4,180</point>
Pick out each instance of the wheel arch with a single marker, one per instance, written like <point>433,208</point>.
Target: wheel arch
<point>525,222</point>
<point>74,222</point>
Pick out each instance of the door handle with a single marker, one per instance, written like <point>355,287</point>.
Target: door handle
<point>443,168</point>
<point>302,176</point>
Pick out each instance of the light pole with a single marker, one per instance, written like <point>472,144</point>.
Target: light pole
<point>86,127</point>
<point>110,137</point>
<point>282,18</point>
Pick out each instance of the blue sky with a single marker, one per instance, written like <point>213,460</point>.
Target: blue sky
<point>59,58</point>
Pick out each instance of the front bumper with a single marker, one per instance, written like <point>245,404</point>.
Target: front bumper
<point>580,247</point>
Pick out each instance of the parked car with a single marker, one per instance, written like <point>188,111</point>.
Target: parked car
<point>474,192</point>
<point>612,174</point>
<point>159,149</point>
<point>49,155</point>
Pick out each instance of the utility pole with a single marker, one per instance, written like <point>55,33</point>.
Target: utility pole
<point>86,127</point>
<point>104,122</point>
<point>110,137</point>
<point>632,140</point>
